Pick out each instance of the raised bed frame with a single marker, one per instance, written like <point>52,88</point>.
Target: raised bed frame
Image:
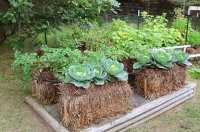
<point>147,110</point>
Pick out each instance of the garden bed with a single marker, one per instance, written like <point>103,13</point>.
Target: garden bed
<point>44,87</point>
<point>81,107</point>
<point>145,110</point>
<point>154,83</point>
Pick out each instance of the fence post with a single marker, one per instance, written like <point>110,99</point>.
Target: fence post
<point>187,27</point>
<point>138,21</point>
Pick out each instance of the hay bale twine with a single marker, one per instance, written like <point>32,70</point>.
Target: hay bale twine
<point>154,83</point>
<point>83,107</point>
<point>44,87</point>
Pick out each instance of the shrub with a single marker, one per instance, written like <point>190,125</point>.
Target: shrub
<point>155,34</point>
<point>181,24</point>
<point>194,72</point>
<point>194,38</point>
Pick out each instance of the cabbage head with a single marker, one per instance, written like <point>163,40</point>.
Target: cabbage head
<point>79,75</point>
<point>161,58</point>
<point>115,69</point>
<point>143,61</point>
<point>100,74</point>
<point>181,58</point>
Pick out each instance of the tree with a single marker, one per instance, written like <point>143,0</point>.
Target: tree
<point>32,18</point>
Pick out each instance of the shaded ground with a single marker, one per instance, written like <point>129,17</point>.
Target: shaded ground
<point>15,115</point>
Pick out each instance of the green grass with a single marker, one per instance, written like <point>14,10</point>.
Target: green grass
<point>194,72</point>
<point>15,115</point>
<point>184,118</point>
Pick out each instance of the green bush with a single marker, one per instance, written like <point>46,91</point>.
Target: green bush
<point>181,24</point>
<point>194,38</point>
<point>154,34</point>
<point>194,72</point>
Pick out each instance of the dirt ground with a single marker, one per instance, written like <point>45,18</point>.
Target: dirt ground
<point>15,114</point>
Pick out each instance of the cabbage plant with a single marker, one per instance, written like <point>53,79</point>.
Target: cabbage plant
<point>161,58</point>
<point>181,58</point>
<point>115,69</point>
<point>143,61</point>
<point>100,73</point>
<point>79,75</point>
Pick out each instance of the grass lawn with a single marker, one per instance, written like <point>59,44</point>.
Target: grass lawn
<point>16,116</point>
<point>184,118</point>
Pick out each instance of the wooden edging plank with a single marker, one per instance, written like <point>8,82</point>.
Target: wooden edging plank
<point>54,124</point>
<point>143,109</point>
<point>151,114</point>
<point>157,113</point>
<point>135,117</point>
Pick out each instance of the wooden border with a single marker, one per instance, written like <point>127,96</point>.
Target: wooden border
<point>135,117</point>
<point>53,123</point>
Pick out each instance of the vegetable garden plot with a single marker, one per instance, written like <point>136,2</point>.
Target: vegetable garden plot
<point>44,87</point>
<point>146,110</point>
<point>80,107</point>
<point>154,83</point>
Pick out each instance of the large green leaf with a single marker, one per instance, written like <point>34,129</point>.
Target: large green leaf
<point>113,67</point>
<point>122,76</point>
<point>81,72</point>
<point>137,65</point>
<point>162,58</point>
<point>99,81</point>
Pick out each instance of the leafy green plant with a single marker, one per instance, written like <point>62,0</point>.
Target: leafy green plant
<point>194,72</point>
<point>32,19</point>
<point>79,75</point>
<point>100,73</point>
<point>194,38</point>
<point>115,69</point>
<point>24,66</point>
<point>180,24</point>
<point>181,58</point>
<point>161,58</point>
<point>154,34</point>
<point>143,61</point>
